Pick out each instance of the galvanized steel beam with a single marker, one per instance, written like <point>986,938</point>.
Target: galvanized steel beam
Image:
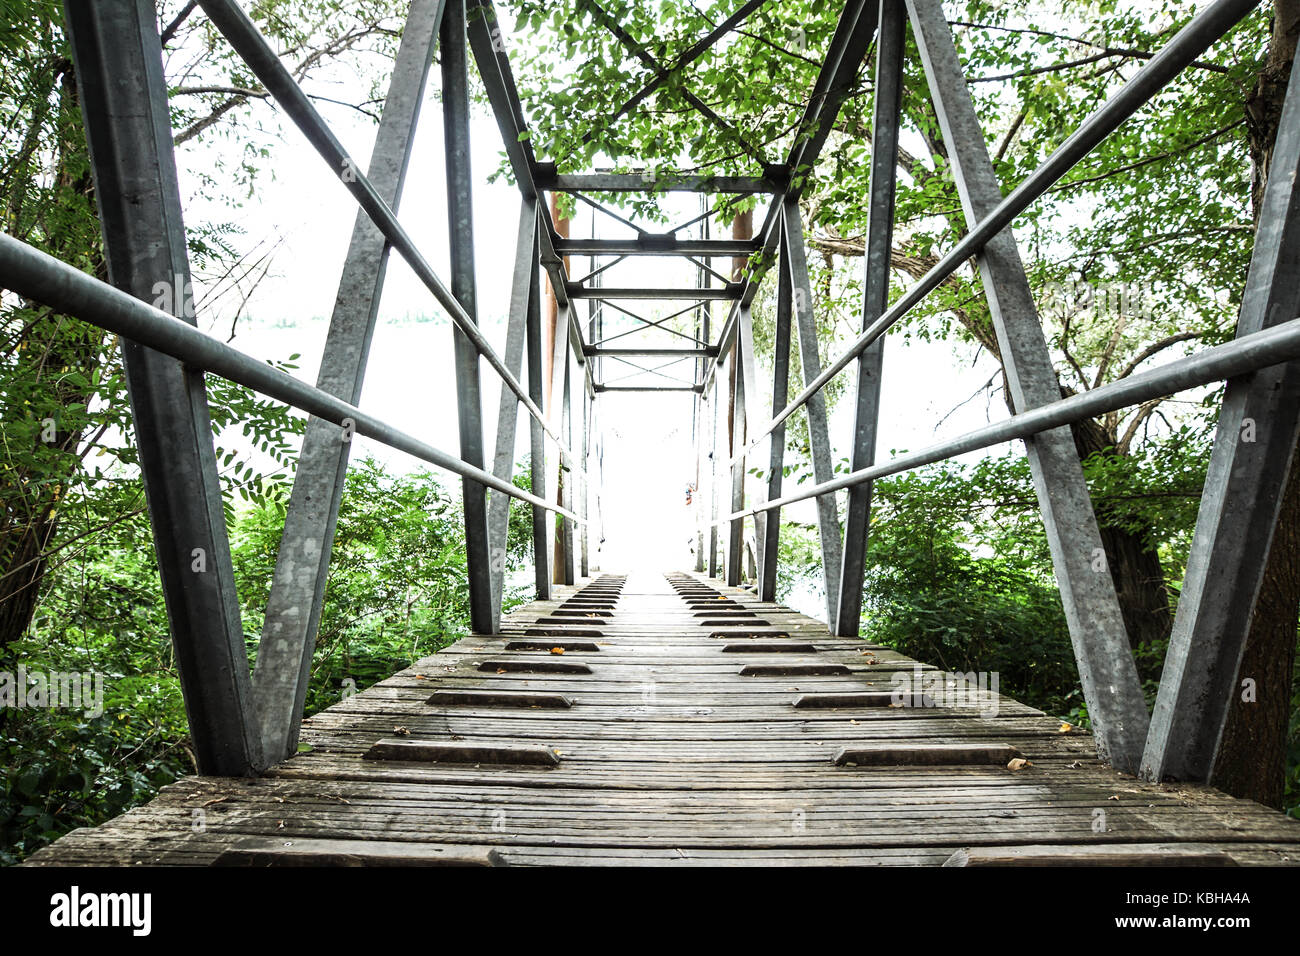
<point>794,259</point>
<point>118,56</point>
<point>294,607</point>
<point>1106,669</point>
<point>876,272</point>
<point>1259,424</point>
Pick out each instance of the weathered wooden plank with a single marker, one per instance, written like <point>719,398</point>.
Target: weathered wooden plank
<point>272,851</point>
<point>793,670</point>
<point>534,667</point>
<point>498,698</point>
<point>868,699</point>
<point>1127,854</point>
<point>884,754</point>
<point>401,748</point>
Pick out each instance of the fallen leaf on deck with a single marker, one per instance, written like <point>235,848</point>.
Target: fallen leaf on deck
<point>557,650</point>
<point>1019,763</point>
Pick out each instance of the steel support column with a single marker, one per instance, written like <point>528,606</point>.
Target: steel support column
<point>1258,428</point>
<point>794,259</point>
<point>568,474</point>
<point>1106,669</point>
<point>503,466</point>
<point>700,501</point>
<point>584,558</point>
<point>736,527</point>
<point>876,272</point>
<point>715,477</point>
<point>770,545</point>
<point>537,441</point>
<point>750,400</point>
<point>556,411</point>
<point>483,611</point>
<point>118,55</point>
<point>293,610</point>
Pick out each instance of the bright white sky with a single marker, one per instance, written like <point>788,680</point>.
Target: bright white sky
<point>410,381</point>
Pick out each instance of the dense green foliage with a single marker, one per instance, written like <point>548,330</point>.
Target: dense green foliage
<point>395,593</point>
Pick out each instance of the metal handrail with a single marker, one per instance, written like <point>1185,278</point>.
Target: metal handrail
<point>1186,46</point>
<point>251,46</point>
<point>43,278</point>
<point>1241,356</point>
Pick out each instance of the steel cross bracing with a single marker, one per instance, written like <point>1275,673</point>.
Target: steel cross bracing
<point>241,723</point>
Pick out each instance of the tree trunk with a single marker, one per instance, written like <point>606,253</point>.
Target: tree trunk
<point>36,478</point>
<point>1252,753</point>
<point>1131,554</point>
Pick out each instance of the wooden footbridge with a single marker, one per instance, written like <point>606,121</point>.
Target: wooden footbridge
<point>686,719</point>
<point>684,724</point>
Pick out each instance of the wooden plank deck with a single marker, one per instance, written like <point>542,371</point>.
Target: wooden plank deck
<point>659,751</point>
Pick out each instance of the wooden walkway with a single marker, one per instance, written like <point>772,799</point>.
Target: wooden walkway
<point>667,732</point>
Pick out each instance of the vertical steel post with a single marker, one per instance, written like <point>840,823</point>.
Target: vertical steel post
<point>118,56</point>
<point>1259,425</point>
<point>293,610</point>
<point>557,410</point>
<point>748,368</point>
<point>1106,669</point>
<point>715,474</point>
<point>521,292</point>
<point>595,528</point>
<point>701,410</point>
<point>875,299</point>
<point>828,521</point>
<point>569,474</point>
<point>584,558</point>
<point>469,400</point>
<point>770,546</point>
<point>537,437</point>
<point>736,527</point>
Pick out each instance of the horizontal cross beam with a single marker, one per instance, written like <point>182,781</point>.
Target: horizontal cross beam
<point>596,352</point>
<point>657,245</point>
<point>773,180</point>
<point>731,291</point>
<point>649,388</point>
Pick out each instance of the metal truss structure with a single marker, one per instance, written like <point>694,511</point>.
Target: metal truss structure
<point>242,721</point>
